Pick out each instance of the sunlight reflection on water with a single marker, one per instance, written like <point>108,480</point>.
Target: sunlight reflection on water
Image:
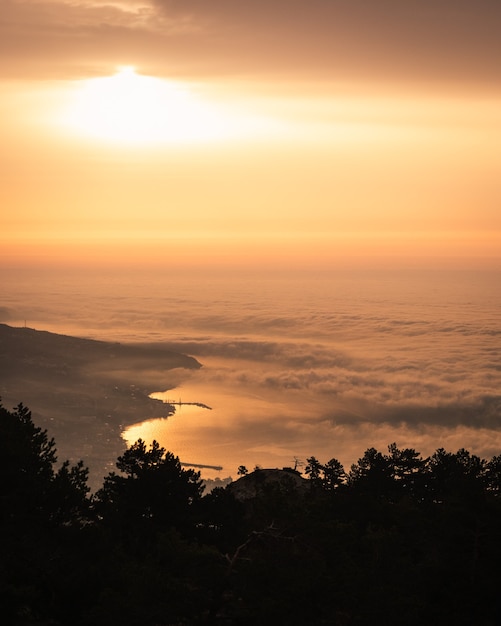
<point>210,436</point>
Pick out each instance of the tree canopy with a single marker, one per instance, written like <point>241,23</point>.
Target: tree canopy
<point>398,539</point>
<point>152,485</point>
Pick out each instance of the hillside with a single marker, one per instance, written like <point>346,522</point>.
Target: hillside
<point>260,481</point>
<point>84,391</point>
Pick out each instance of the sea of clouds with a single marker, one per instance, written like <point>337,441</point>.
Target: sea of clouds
<point>320,363</point>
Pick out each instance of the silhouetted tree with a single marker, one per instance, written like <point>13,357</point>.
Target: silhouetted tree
<point>333,475</point>
<point>41,510</point>
<point>27,456</point>
<point>454,477</point>
<point>371,474</point>
<point>493,476</point>
<point>220,519</point>
<point>70,493</point>
<point>314,470</point>
<point>153,487</point>
<point>30,489</point>
<point>402,540</point>
<point>407,469</point>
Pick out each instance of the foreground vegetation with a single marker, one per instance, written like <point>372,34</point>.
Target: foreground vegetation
<point>399,539</point>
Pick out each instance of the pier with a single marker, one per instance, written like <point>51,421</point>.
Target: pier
<point>202,466</point>
<point>181,403</point>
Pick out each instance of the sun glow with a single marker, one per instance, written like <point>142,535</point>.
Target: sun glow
<point>131,108</point>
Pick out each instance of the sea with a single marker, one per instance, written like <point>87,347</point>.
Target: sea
<point>320,362</point>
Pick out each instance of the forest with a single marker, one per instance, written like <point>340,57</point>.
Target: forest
<point>396,539</point>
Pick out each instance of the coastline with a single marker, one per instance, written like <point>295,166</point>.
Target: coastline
<point>86,392</point>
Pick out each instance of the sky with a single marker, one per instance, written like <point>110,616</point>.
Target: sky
<point>304,195</point>
<point>195,133</point>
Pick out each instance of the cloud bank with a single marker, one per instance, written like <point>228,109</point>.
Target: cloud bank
<point>326,368</point>
<point>322,39</point>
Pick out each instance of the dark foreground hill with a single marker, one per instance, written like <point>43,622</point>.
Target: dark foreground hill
<point>398,540</point>
<point>84,391</point>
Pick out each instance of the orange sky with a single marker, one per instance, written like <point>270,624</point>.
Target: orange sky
<point>291,132</point>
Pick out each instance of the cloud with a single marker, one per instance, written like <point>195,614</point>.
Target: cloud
<point>479,413</point>
<point>330,40</point>
<point>5,314</point>
<point>439,379</point>
<point>64,39</point>
<point>385,39</point>
<point>419,389</point>
<point>330,374</point>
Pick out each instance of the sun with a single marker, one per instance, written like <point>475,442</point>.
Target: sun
<point>132,108</point>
